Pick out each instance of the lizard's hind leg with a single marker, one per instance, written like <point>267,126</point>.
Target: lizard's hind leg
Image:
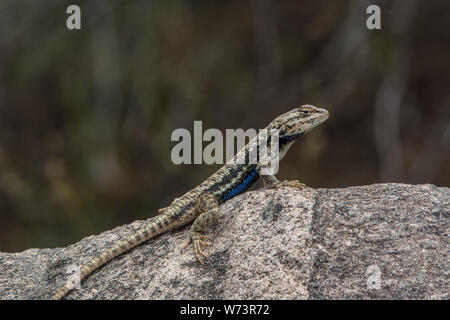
<point>208,207</point>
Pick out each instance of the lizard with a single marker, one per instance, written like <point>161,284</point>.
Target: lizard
<point>201,204</point>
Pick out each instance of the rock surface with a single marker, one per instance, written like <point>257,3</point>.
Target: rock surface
<point>383,241</point>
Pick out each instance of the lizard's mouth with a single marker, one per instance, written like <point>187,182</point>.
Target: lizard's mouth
<point>315,121</point>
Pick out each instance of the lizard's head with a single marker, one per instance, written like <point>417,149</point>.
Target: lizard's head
<point>298,121</point>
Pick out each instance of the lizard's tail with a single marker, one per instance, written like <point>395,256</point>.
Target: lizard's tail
<point>148,231</point>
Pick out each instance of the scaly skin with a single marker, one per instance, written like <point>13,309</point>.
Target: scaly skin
<point>202,203</point>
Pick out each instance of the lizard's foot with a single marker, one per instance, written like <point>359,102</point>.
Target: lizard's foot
<point>289,183</point>
<point>198,240</point>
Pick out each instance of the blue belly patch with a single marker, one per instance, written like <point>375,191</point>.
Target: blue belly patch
<point>244,185</point>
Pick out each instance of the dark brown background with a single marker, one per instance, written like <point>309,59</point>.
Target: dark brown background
<point>86,116</point>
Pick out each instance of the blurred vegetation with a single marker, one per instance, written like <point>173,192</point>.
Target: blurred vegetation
<point>86,116</point>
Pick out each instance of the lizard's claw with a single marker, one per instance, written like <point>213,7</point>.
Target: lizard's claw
<point>198,240</point>
<point>290,183</point>
<point>162,209</point>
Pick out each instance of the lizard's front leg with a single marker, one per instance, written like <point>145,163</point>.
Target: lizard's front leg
<point>272,182</point>
<point>208,207</point>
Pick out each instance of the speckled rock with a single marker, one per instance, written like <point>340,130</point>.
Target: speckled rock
<point>383,241</point>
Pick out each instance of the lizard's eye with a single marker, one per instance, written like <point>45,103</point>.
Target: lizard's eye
<point>305,112</point>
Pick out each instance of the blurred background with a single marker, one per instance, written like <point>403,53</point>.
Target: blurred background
<point>86,115</point>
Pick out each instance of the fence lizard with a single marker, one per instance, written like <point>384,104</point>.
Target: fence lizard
<point>201,204</point>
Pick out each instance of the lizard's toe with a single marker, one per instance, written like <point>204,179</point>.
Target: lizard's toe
<point>291,184</point>
<point>198,240</point>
